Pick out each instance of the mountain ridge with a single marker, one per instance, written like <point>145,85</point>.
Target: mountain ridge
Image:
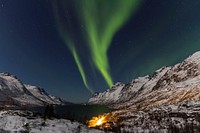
<point>14,93</point>
<point>165,79</point>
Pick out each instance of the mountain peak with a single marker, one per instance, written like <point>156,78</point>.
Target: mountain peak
<point>116,85</point>
<point>194,57</point>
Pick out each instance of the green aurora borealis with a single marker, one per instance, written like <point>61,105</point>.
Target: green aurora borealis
<point>66,46</point>
<point>101,19</point>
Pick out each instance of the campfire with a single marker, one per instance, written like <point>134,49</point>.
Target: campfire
<point>105,121</point>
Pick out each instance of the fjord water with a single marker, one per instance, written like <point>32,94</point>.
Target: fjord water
<point>80,112</point>
<point>77,112</point>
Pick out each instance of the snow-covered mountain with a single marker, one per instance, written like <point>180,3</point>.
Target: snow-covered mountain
<point>43,95</point>
<point>14,93</point>
<point>166,86</point>
<point>167,101</point>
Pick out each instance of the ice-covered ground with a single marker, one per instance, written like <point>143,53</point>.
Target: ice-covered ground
<point>18,121</point>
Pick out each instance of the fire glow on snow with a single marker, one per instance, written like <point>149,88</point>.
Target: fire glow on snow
<point>101,119</point>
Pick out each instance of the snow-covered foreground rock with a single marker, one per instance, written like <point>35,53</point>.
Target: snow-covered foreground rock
<point>177,118</point>
<point>19,121</point>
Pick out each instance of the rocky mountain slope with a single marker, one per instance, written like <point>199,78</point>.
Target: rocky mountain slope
<point>167,101</point>
<point>167,85</point>
<point>168,118</point>
<point>14,93</point>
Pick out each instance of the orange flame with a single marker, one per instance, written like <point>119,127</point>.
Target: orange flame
<point>101,119</point>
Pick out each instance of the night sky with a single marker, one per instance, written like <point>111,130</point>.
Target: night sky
<point>73,48</point>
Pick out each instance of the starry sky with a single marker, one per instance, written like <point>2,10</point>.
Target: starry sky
<point>73,48</point>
